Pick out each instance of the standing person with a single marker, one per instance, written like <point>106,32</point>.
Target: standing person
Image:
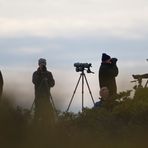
<point>107,73</point>
<point>1,84</point>
<point>43,81</point>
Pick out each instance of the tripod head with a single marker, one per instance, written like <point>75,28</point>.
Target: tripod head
<point>80,67</point>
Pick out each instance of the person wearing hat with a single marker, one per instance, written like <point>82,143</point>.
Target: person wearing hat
<point>108,72</point>
<point>43,81</point>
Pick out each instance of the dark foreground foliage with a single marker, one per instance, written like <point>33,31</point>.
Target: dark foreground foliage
<point>120,125</point>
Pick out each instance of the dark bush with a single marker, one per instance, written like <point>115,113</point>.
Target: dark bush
<point>124,124</point>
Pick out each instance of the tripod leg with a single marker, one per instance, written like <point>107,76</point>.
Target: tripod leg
<point>52,103</point>
<point>82,92</point>
<point>73,93</point>
<point>32,105</point>
<point>54,109</point>
<point>89,89</point>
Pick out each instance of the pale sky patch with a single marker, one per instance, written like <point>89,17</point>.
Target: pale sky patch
<point>116,26</point>
<point>61,18</point>
<point>29,51</point>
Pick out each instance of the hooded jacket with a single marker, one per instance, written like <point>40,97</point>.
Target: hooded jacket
<point>107,74</point>
<point>43,81</point>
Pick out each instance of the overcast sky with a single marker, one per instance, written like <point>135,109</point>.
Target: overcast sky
<point>69,31</point>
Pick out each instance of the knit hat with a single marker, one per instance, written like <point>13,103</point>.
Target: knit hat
<point>42,61</point>
<point>105,57</point>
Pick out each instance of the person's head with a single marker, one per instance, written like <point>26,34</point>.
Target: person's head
<point>106,58</point>
<point>104,93</point>
<point>42,62</point>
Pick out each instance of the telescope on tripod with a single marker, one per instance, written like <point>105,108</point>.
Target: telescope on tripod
<point>138,78</point>
<point>81,67</point>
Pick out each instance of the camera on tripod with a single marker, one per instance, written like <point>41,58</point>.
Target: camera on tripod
<point>80,67</point>
<point>138,78</point>
<point>143,76</point>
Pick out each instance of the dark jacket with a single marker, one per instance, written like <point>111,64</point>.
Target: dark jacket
<point>1,84</point>
<point>98,104</point>
<point>43,81</point>
<point>107,74</point>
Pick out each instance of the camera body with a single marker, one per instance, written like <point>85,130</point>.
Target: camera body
<point>80,67</point>
<point>114,60</point>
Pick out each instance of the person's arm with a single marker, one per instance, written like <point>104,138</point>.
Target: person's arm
<point>35,79</point>
<point>114,71</point>
<point>51,80</point>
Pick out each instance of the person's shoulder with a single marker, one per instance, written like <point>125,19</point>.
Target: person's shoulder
<point>49,72</point>
<point>104,66</point>
<point>35,72</point>
<point>97,104</point>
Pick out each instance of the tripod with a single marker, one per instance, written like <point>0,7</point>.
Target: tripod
<point>83,76</point>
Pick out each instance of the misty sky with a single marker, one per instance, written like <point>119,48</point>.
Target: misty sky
<point>69,31</point>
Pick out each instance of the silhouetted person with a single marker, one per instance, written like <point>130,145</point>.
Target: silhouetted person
<point>43,81</point>
<point>1,85</point>
<point>107,73</point>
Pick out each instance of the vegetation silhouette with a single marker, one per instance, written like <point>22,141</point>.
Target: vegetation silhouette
<point>124,125</point>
